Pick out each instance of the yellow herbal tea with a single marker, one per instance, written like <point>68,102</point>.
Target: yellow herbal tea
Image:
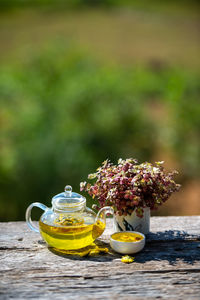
<point>74,235</point>
<point>127,237</point>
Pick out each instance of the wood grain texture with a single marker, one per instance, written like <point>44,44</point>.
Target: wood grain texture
<point>167,268</point>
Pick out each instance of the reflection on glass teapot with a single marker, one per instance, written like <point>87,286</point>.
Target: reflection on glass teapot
<point>69,224</point>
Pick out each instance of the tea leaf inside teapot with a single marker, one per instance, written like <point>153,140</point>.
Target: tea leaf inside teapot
<point>68,221</point>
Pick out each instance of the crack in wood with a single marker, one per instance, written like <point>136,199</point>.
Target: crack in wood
<point>17,248</point>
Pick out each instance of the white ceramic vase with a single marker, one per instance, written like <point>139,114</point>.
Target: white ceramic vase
<point>133,222</point>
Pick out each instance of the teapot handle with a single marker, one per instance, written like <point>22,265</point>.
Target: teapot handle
<point>28,215</point>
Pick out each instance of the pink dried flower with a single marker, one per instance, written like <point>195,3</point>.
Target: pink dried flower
<point>130,186</point>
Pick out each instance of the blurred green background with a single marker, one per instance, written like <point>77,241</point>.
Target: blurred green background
<point>83,81</point>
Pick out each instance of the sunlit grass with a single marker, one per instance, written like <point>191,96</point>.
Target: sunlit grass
<point>117,36</point>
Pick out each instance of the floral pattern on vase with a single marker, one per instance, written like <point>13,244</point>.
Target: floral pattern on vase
<point>133,222</point>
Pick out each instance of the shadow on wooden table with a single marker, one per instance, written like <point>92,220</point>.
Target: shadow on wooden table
<point>98,257</point>
<point>172,246</point>
<point>171,235</point>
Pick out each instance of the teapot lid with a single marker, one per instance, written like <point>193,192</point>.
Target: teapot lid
<point>68,201</point>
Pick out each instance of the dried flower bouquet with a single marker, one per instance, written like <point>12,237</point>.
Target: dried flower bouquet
<point>129,186</point>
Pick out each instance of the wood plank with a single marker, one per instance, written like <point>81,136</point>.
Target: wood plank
<point>168,267</point>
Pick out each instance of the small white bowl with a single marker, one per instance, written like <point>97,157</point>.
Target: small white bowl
<point>127,247</point>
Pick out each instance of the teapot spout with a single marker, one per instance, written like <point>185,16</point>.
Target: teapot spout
<point>100,221</point>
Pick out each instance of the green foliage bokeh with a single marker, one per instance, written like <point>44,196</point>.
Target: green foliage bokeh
<point>62,114</point>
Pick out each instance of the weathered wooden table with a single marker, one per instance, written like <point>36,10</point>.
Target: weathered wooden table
<point>168,267</point>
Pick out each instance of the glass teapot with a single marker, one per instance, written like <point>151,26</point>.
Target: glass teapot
<point>69,224</point>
